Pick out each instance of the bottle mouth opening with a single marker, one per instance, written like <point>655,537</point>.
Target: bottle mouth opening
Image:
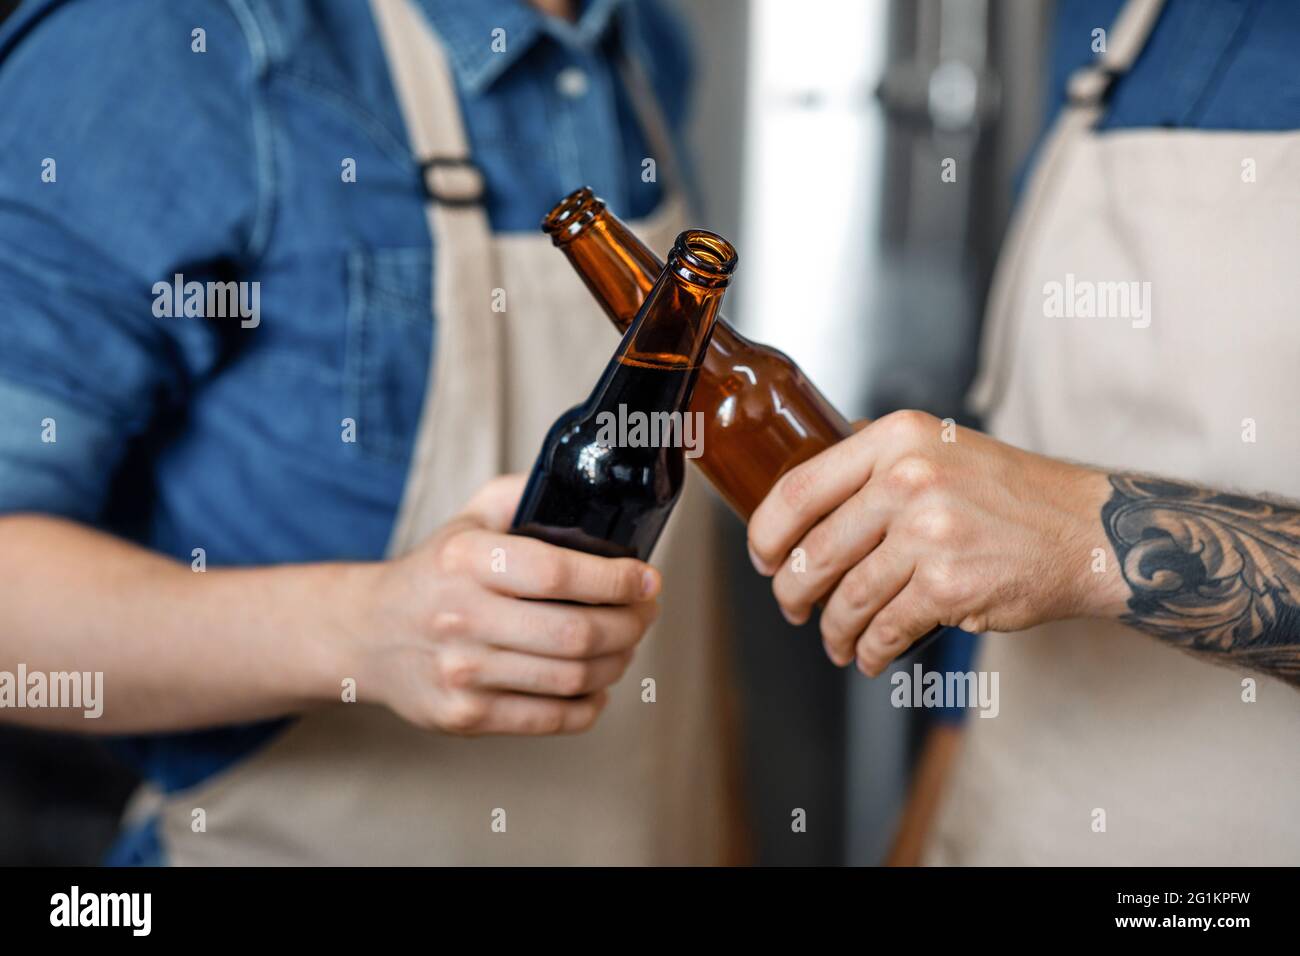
<point>572,214</point>
<point>704,258</point>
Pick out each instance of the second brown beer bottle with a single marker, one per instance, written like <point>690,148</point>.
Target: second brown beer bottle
<point>611,469</point>
<point>761,414</point>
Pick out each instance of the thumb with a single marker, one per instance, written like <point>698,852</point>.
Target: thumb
<point>493,505</point>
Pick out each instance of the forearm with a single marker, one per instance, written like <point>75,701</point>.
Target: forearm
<point>915,524</point>
<point>178,649</point>
<point>1213,573</point>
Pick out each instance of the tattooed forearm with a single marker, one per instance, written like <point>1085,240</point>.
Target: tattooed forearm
<point>1216,574</point>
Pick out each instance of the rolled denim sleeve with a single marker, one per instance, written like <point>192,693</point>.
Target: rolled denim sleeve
<point>125,157</point>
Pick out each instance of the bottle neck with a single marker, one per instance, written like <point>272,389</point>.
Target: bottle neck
<point>672,329</point>
<point>618,268</point>
<point>673,325</point>
<point>620,271</point>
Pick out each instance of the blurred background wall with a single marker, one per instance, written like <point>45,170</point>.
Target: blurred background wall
<point>819,136</point>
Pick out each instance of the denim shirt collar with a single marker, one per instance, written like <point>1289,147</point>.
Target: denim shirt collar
<point>466,29</point>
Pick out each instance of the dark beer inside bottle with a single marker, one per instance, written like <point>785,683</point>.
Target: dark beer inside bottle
<point>611,469</point>
<point>608,499</point>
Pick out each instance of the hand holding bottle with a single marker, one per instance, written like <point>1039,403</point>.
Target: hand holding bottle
<point>480,632</point>
<point>912,531</point>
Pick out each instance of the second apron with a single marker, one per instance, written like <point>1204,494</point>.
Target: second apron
<point>353,784</point>
<point>1096,717</point>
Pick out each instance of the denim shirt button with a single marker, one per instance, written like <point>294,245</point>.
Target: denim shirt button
<point>572,82</point>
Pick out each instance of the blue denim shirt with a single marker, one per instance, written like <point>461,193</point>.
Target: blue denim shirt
<point>227,164</point>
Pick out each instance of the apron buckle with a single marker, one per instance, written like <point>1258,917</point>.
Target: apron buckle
<point>451,181</point>
<point>1091,87</point>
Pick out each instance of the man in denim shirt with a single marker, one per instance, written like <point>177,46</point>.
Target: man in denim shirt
<point>262,143</point>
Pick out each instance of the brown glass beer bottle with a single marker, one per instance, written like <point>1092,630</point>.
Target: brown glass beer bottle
<point>611,469</point>
<point>762,416</point>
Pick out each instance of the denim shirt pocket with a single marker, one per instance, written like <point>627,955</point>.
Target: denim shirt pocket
<point>389,347</point>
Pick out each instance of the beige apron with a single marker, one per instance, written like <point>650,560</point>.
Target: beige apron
<point>1096,716</point>
<point>352,784</point>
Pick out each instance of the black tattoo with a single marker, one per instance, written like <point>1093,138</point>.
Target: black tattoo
<point>1213,573</point>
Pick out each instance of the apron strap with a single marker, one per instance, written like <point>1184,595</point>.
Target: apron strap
<point>427,95</point>
<point>1089,88</point>
<point>437,131</point>
<point>1087,94</point>
<point>460,439</point>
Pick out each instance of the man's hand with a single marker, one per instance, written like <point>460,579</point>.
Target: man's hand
<point>481,632</point>
<point>911,524</point>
